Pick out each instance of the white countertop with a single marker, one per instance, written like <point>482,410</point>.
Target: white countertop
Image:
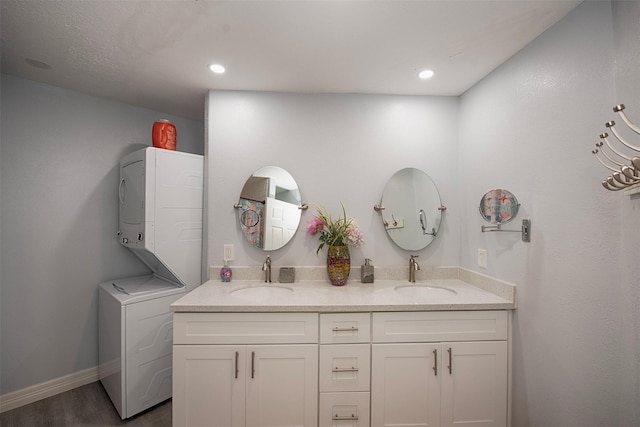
<point>475,292</point>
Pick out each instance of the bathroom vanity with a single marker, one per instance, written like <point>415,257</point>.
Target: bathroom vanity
<point>392,353</point>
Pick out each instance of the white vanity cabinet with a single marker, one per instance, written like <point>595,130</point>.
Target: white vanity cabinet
<point>245,369</point>
<point>360,369</point>
<point>345,369</point>
<point>439,369</point>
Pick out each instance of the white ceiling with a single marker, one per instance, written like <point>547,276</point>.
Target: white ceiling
<point>155,53</point>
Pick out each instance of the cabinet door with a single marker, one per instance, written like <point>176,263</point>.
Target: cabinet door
<point>405,385</point>
<point>474,384</point>
<point>208,386</point>
<point>282,385</point>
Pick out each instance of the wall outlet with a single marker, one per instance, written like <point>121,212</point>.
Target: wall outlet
<point>228,253</point>
<point>482,258</point>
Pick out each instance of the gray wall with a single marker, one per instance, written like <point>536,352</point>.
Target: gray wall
<point>59,156</point>
<point>626,26</point>
<point>339,148</point>
<point>530,127</point>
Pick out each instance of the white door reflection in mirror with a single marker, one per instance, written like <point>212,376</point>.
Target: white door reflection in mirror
<point>281,223</point>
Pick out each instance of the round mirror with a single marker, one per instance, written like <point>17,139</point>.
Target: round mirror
<point>499,206</point>
<point>269,208</point>
<point>412,209</point>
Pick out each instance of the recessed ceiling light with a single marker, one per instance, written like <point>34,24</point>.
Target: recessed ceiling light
<point>216,68</point>
<point>426,74</point>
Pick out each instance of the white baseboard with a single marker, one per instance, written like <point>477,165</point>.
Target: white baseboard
<point>33,393</point>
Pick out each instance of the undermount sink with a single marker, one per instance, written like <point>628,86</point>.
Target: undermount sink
<point>421,289</point>
<point>262,290</point>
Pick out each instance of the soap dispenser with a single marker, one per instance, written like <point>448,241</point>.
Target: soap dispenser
<point>225,272</point>
<point>366,271</point>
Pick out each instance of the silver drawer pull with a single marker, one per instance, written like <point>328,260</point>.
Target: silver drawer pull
<point>351,418</point>
<point>352,369</point>
<point>351,329</point>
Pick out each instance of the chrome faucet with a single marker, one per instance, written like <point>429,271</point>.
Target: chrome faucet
<point>266,267</point>
<point>413,267</point>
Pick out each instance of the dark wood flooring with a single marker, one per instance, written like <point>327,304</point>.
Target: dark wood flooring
<point>86,406</point>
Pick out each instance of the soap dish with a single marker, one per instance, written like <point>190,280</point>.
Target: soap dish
<point>287,275</point>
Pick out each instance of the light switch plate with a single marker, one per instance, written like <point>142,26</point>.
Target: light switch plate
<point>228,253</point>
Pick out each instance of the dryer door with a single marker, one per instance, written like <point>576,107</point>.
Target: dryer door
<point>131,193</point>
<point>136,201</point>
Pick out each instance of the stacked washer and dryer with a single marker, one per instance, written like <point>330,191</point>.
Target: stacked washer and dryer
<point>161,200</point>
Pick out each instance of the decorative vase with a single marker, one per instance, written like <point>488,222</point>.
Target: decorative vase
<point>338,265</point>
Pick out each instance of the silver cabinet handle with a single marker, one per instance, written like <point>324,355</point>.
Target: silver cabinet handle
<point>450,360</point>
<point>351,329</point>
<point>352,417</point>
<point>435,362</point>
<point>237,370</point>
<point>253,364</point>
<point>352,369</point>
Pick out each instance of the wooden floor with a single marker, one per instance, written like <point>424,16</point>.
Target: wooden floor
<point>88,405</point>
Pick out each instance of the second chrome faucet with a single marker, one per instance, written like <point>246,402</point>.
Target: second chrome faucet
<point>413,267</point>
<point>266,267</point>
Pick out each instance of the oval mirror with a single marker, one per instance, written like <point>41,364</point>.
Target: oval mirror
<point>269,208</point>
<point>412,209</point>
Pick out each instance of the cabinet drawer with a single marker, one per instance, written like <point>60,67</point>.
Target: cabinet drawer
<point>437,326</point>
<point>345,367</point>
<point>336,328</point>
<point>344,409</point>
<point>245,328</point>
